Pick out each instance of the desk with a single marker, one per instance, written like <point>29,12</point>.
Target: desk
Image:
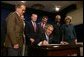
<point>56,50</point>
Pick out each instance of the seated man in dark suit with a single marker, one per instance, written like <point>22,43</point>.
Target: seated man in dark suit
<point>46,37</point>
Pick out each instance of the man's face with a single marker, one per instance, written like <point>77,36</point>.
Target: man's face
<point>22,9</point>
<point>49,30</point>
<point>45,20</point>
<point>34,17</point>
<point>58,18</point>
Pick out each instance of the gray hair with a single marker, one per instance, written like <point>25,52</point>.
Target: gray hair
<point>48,25</point>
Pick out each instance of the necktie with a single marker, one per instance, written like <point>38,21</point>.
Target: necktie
<point>34,25</point>
<point>47,38</point>
<point>43,25</point>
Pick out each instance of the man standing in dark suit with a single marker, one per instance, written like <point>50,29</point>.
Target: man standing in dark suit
<point>43,23</point>
<point>15,28</point>
<point>31,32</point>
<point>57,33</point>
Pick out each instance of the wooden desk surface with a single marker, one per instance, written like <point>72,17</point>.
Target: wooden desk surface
<point>57,50</point>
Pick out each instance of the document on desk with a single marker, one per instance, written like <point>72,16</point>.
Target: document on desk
<point>55,44</point>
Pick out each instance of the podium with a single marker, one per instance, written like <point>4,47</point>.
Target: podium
<point>56,50</point>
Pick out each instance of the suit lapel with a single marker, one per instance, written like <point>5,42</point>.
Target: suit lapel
<point>31,26</point>
<point>36,27</point>
<point>19,21</point>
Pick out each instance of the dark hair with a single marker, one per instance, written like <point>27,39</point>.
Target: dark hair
<point>45,17</point>
<point>18,5</point>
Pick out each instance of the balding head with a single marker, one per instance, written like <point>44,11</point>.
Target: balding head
<point>57,18</point>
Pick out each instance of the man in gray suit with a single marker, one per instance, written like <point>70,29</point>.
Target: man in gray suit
<point>15,28</point>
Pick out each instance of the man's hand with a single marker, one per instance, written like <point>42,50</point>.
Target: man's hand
<point>32,40</point>
<point>40,43</point>
<point>45,42</point>
<point>63,42</point>
<point>16,46</point>
<point>75,41</point>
